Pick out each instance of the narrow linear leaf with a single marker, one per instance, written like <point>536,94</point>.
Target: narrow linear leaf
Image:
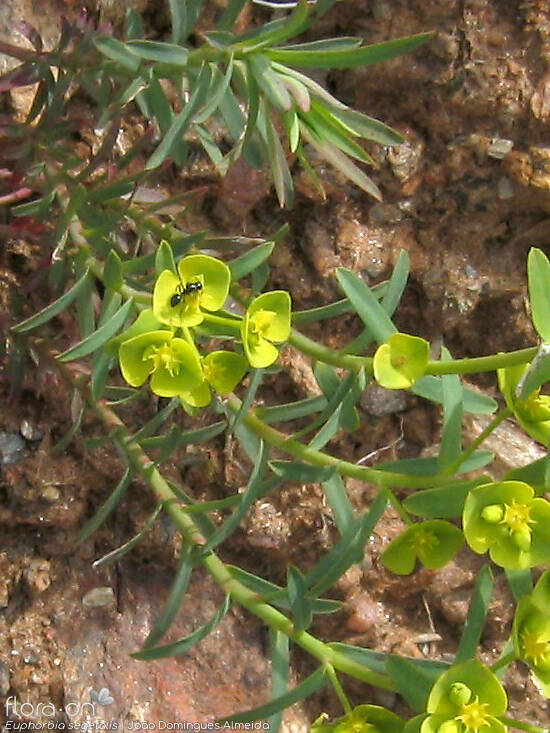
<point>396,284</point>
<point>54,308</point>
<point>218,89</point>
<point>300,605</point>
<point>377,660</point>
<point>61,446</point>
<point>100,337</point>
<point>291,410</point>
<point>413,681</point>
<point>155,422</point>
<point>106,508</point>
<point>245,263</point>
<point>119,52</point>
<point>175,598</point>
<point>430,388</point>
<point>366,305</point>
<point>368,128</point>
<point>442,503</point>
<point>339,502</point>
<point>184,645</point>
<point>350,58</point>
<point>163,52</point>
<point>202,435</point>
<point>538,276</point>
<point>477,613</point>
<point>520,582</point>
<point>279,645</point>
<point>430,466</point>
<point>230,14</point>
<point>301,472</point>
<point>117,554</point>
<point>291,26</point>
<point>451,439</point>
<point>256,376</point>
<point>311,684</point>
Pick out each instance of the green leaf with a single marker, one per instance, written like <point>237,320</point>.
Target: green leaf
<point>61,446</point>
<point>300,605</point>
<point>538,275</point>
<point>277,32</point>
<point>536,375</point>
<point>328,127</point>
<point>230,14</point>
<point>52,310</point>
<point>119,553</point>
<point>106,508</point>
<point>430,466</point>
<point>396,284</point>
<point>133,25</point>
<point>326,44</point>
<point>278,165</point>
<point>161,51</point>
<point>341,162</point>
<point>442,503</point>
<point>301,473</point>
<point>349,58</point>
<point>249,261</point>
<point>413,681</point>
<point>338,500</point>
<point>182,120</point>
<point>184,645</point>
<point>311,684</point>
<point>475,622</point>
<point>376,661</point>
<point>256,376</point>
<point>348,551</point>
<point>431,388</point>
<point>218,88</point>
<point>185,15</point>
<point>520,582</point>
<point>37,208</point>
<point>155,422</point>
<point>99,337</point>
<point>533,474</point>
<point>164,258</point>
<point>368,127</point>
<point>112,271</point>
<point>291,410</point>
<point>269,82</point>
<point>118,52</point>
<point>175,598</point>
<point>451,439</point>
<point>366,305</point>
<point>279,645</point>
<point>276,595</point>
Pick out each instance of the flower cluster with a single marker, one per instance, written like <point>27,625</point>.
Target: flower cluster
<point>466,699</point>
<point>401,361</point>
<point>362,719</point>
<point>159,345</point>
<point>532,413</point>
<point>531,632</point>
<point>506,519</point>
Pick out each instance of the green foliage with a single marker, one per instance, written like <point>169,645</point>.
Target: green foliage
<point>184,316</point>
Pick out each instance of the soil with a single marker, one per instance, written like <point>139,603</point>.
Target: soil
<point>466,197</point>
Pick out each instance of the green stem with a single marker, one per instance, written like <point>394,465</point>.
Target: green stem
<point>250,600</point>
<point>503,661</point>
<point>474,445</point>
<point>318,458</point>
<point>520,725</point>
<point>327,355</point>
<point>333,677</point>
<point>482,363</point>
<point>232,323</point>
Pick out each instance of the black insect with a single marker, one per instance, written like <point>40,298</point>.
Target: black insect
<point>183,290</point>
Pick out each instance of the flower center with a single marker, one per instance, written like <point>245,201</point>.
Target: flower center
<point>163,357</point>
<point>260,323</point>
<point>535,647</point>
<point>424,541</point>
<point>474,715</point>
<point>516,516</point>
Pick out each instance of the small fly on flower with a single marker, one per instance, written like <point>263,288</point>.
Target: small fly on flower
<point>183,290</point>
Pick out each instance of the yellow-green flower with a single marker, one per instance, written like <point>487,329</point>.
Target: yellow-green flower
<point>533,413</point>
<point>433,542</point>
<point>362,719</point>
<point>202,283</point>
<point>222,371</point>
<point>401,361</point>
<point>531,632</point>
<point>466,699</point>
<point>266,323</point>
<point>508,521</point>
<point>173,364</point>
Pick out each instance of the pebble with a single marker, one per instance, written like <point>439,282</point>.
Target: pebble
<point>378,401</point>
<point>499,148</point>
<point>12,448</point>
<point>4,679</point>
<point>98,597</point>
<point>30,431</point>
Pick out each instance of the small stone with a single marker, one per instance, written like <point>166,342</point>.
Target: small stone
<point>379,401</point>
<point>499,148</point>
<point>30,431</point>
<point>505,188</point>
<point>50,494</point>
<point>98,597</point>
<point>12,448</point>
<point>37,575</point>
